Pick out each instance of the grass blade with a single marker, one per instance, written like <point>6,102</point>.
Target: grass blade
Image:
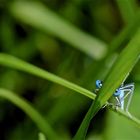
<point>126,33</point>
<point>82,131</point>
<point>118,73</point>
<point>31,112</point>
<point>127,9</point>
<point>39,16</point>
<point>135,121</point>
<point>16,63</point>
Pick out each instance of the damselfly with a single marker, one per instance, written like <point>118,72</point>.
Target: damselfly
<point>120,94</point>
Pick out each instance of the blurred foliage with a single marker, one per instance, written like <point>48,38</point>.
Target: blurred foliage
<point>101,21</point>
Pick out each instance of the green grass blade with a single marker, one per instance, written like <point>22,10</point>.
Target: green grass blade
<point>126,33</point>
<point>31,112</point>
<point>135,121</point>
<point>16,63</point>
<point>40,17</point>
<point>82,131</point>
<point>127,9</point>
<point>118,73</point>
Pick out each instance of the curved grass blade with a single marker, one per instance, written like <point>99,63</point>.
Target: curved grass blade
<point>118,73</point>
<point>126,33</point>
<point>31,112</point>
<point>16,63</point>
<point>135,121</point>
<point>127,9</point>
<point>40,17</point>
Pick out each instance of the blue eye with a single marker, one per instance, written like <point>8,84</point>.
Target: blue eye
<point>117,92</point>
<point>98,84</point>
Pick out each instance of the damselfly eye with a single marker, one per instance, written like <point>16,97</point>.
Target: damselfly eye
<point>116,90</point>
<point>98,84</point>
